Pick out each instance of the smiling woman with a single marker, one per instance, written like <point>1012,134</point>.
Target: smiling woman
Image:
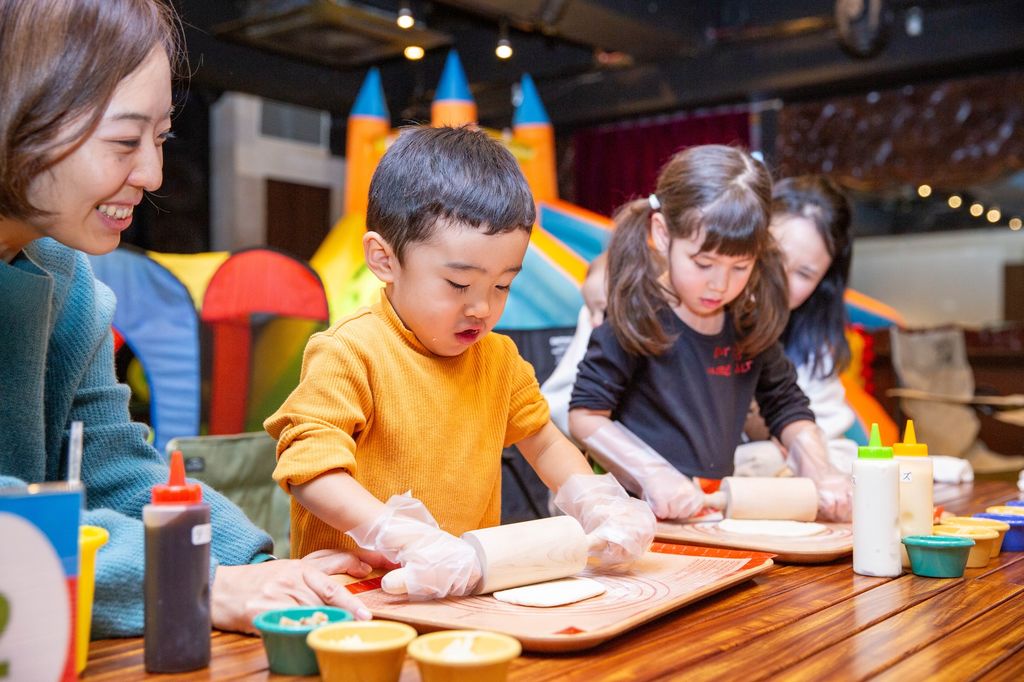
<point>86,92</point>
<point>65,62</point>
<point>89,195</point>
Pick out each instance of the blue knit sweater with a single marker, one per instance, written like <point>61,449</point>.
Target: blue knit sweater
<point>58,366</point>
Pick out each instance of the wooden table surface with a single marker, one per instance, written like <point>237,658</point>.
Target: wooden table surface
<point>793,622</point>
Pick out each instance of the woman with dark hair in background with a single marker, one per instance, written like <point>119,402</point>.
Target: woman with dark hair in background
<point>811,225</point>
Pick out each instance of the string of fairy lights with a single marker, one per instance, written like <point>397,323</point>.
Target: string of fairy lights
<point>975,208</point>
<point>405,19</point>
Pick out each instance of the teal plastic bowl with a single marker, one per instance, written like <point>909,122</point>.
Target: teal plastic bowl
<point>938,556</point>
<point>287,651</point>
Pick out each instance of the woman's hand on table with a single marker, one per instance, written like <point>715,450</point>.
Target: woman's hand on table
<point>240,593</point>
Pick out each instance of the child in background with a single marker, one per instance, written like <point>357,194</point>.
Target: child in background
<point>698,303</point>
<point>413,394</point>
<point>811,225</point>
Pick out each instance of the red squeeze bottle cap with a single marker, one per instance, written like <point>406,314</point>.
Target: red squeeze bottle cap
<point>177,490</point>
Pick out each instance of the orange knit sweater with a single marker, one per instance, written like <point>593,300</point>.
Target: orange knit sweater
<point>372,400</point>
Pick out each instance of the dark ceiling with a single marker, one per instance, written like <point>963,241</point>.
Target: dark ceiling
<point>593,60</point>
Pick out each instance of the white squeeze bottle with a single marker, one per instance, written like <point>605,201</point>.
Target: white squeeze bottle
<point>916,506</point>
<point>876,510</point>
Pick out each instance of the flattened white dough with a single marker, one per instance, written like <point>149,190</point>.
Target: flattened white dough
<point>552,593</point>
<point>784,529</point>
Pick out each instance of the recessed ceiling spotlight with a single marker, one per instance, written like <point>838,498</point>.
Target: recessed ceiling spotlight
<point>413,52</point>
<point>914,22</point>
<point>405,18</point>
<point>503,50</point>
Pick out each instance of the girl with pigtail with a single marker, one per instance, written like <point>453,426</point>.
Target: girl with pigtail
<point>697,303</point>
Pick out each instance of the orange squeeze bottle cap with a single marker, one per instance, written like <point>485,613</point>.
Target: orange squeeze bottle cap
<point>910,447</point>
<point>177,490</point>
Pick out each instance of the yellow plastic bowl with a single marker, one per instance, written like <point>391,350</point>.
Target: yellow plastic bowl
<point>1005,509</point>
<point>972,521</point>
<point>90,539</point>
<point>464,655</point>
<point>983,538</point>
<point>369,651</point>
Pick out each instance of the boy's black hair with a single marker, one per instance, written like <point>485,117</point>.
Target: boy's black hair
<point>457,175</point>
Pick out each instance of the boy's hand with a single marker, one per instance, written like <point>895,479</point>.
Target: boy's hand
<point>240,593</point>
<point>436,563</point>
<point>624,524</point>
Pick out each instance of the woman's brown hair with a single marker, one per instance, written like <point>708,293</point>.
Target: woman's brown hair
<point>60,62</point>
<point>725,193</point>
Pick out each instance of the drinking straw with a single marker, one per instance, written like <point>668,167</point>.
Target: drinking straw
<point>75,453</point>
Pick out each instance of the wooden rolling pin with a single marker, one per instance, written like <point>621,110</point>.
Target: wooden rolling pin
<point>784,499</point>
<point>519,554</point>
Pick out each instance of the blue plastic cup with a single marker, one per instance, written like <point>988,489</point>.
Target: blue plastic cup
<point>1013,541</point>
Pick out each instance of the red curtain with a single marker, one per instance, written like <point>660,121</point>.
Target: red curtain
<point>619,162</point>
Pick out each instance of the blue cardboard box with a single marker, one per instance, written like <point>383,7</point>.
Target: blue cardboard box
<point>38,581</point>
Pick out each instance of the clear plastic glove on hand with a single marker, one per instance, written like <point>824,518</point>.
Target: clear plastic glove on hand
<point>809,454</point>
<point>435,563</point>
<point>762,458</point>
<point>674,496</point>
<point>670,494</point>
<point>622,526</point>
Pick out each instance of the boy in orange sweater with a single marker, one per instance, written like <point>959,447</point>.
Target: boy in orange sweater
<point>412,400</point>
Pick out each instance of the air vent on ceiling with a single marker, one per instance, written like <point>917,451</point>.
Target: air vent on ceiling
<point>334,32</point>
<point>291,122</point>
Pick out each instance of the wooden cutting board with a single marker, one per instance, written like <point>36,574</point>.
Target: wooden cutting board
<point>835,542</point>
<point>666,578</point>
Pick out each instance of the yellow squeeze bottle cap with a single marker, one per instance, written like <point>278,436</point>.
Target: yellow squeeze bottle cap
<point>910,447</point>
<point>874,449</point>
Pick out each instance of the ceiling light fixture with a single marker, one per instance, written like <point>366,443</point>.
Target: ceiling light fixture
<point>413,52</point>
<point>913,22</point>
<point>503,50</point>
<point>405,19</point>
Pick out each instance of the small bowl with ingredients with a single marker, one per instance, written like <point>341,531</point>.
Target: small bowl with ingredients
<point>365,650</point>
<point>464,655</point>
<point>938,556</point>
<point>973,522</point>
<point>984,540</point>
<point>284,634</point>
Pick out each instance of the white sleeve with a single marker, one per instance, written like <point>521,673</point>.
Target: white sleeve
<point>558,387</point>
<point>828,401</point>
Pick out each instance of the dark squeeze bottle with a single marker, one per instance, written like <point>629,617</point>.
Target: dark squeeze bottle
<point>177,583</point>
